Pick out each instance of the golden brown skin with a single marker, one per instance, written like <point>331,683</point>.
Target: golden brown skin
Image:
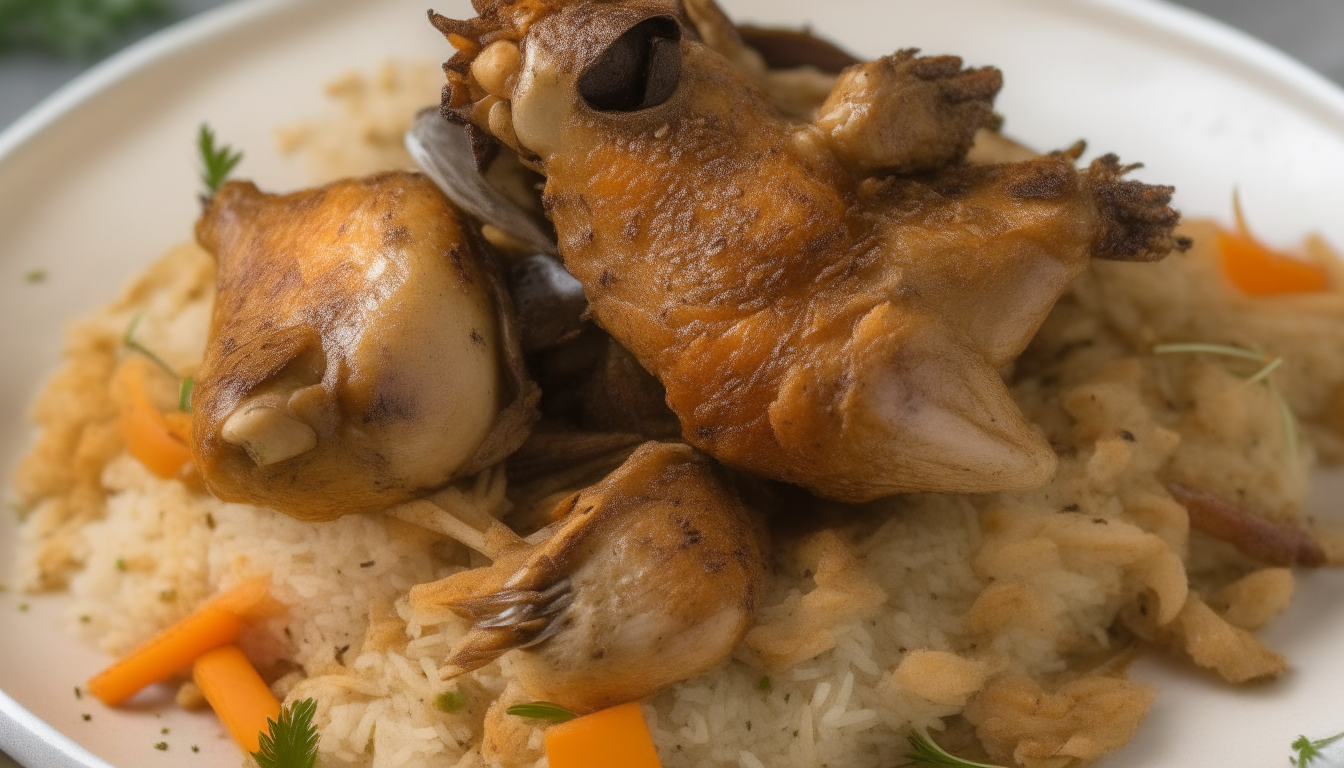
<point>652,577</point>
<point>354,354</point>
<point>814,317</point>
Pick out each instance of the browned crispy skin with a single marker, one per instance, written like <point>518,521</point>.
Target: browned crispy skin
<point>782,300</point>
<point>341,308</point>
<point>652,577</point>
<point>826,303</point>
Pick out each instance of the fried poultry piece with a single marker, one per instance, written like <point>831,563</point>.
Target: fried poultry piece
<point>818,312</point>
<point>356,355</point>
<point>652,577</point>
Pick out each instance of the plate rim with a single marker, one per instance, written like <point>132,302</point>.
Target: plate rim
<point>33,742</point>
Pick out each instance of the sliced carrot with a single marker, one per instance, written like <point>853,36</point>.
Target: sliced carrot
<point>240,698</point>
<point>1259,271</point>
<point>179,425</point>
<point>147,433</point>
<point>215,624</point>
<point>613,738</point>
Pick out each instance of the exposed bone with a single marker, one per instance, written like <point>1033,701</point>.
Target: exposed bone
<point>468,515</point>
<point>264,428</point>
<point>542,101</point>
<point>501,122</point>
<point>496,68</point>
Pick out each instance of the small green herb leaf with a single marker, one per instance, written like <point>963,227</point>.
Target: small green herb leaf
<point>184,394</point>
<point>542,710</point>
<point>128,341</point>
<point>450,701</point>
<point>35,276</point>
<point>925,753</point>
<point>217,162</point>
<point>292,742</point>
<point>764,684</point>
<point>1308,750</point>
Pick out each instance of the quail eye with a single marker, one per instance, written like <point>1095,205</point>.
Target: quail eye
<point>638,71</point>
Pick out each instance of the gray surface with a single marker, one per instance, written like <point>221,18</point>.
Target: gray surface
<point>1311,30</point>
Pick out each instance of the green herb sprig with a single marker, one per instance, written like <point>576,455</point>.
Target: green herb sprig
<point>925,753</point>
<point>450,701</point>
<point>71,27</point>
<point>292,741</point>
<point>1308,750</point>
<point>1268,365</point>
<point>184,393</point>
<point>542,710</point>
<point>128,340</point>
<point>217,162</point>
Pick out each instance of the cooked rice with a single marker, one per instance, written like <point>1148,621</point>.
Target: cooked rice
<point>1006,620</point>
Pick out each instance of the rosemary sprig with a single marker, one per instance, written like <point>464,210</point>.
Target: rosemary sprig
<point>925,753</point>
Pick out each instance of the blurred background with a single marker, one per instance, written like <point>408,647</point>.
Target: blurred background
<point>46,43</point>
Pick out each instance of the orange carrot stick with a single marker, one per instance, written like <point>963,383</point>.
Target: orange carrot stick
<point>613,738</point>
<point>240,698</point>
<point>1258,271</point>
<point>215,624</point>
<point>146,432</point>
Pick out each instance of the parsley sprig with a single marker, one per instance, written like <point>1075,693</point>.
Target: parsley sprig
<point>217,162</point>
<point>925,753</point>
<point>292,741</point>
<point>1308,750</point>
<point>71,27</point>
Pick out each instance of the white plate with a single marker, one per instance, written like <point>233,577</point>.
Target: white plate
<point>100,179</point>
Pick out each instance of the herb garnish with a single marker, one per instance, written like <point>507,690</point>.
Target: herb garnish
<point>216,162</point>
<point>1308,750</point>
<point>34,276</point>
<point>764,684</point>
<point>70,27</point>
<point>542,710</point>
<point>1268,367</point>
<point>925,753</point>
<point>184,394</point>
<point>292,742</point>
<point>128,341</point>
<point>450,701</point>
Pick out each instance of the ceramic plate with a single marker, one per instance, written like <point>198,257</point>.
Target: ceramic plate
<point>99,180</point>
